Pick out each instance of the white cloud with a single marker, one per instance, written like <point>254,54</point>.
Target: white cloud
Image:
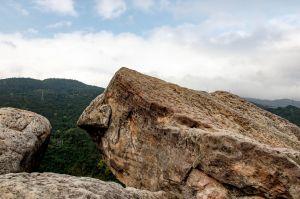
<point>261,63</point>
<point>19,8</point>
<point>60,24</point>
<point>109,9</point>
<point>143,4</point>
<point>65,7</point>
<point>32,31</point>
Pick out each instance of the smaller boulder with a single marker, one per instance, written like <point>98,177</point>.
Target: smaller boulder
<point>51,185</point>
<point>24,137</point>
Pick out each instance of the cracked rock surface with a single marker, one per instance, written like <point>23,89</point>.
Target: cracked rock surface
<point>52,186</point>
<point>24,136</point>
<point>159,136</point>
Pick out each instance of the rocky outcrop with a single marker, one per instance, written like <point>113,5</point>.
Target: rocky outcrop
<point>24,136</point>
<point>159,136</point>
<point>51,185</point>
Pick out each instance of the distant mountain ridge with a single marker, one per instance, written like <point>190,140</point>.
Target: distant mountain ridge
<point>21,84</point>
<point>286,108</point>
<point>274,103</point>
<point>290,113</point>
<point>57,99</point>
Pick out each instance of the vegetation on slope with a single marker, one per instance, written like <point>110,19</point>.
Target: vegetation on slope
<point>290,113</point>
<point>70,150</point>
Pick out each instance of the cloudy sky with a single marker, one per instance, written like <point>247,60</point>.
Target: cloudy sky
<point>248,47</point>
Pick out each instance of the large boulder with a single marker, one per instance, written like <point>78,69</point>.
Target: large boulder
<point>159,136</point>
<point>51,185</point>
<point>24,136</point>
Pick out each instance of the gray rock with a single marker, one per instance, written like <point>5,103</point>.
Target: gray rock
<point>24,136</point>
<point>57,186</point>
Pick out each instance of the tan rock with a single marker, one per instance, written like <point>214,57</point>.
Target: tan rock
<point>24,136</point>
<point>52,186</point>
<point>206,186</point>
<point>159,136</point>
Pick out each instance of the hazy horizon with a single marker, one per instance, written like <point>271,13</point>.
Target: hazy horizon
<point>249,48</point>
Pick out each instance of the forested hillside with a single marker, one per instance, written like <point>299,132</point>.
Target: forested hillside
<point>290,113</point>
<point>70,150</point>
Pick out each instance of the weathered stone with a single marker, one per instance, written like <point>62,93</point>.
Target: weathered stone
<point>51,185</point>
<point>24,136</point>
<point>160,136</point>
